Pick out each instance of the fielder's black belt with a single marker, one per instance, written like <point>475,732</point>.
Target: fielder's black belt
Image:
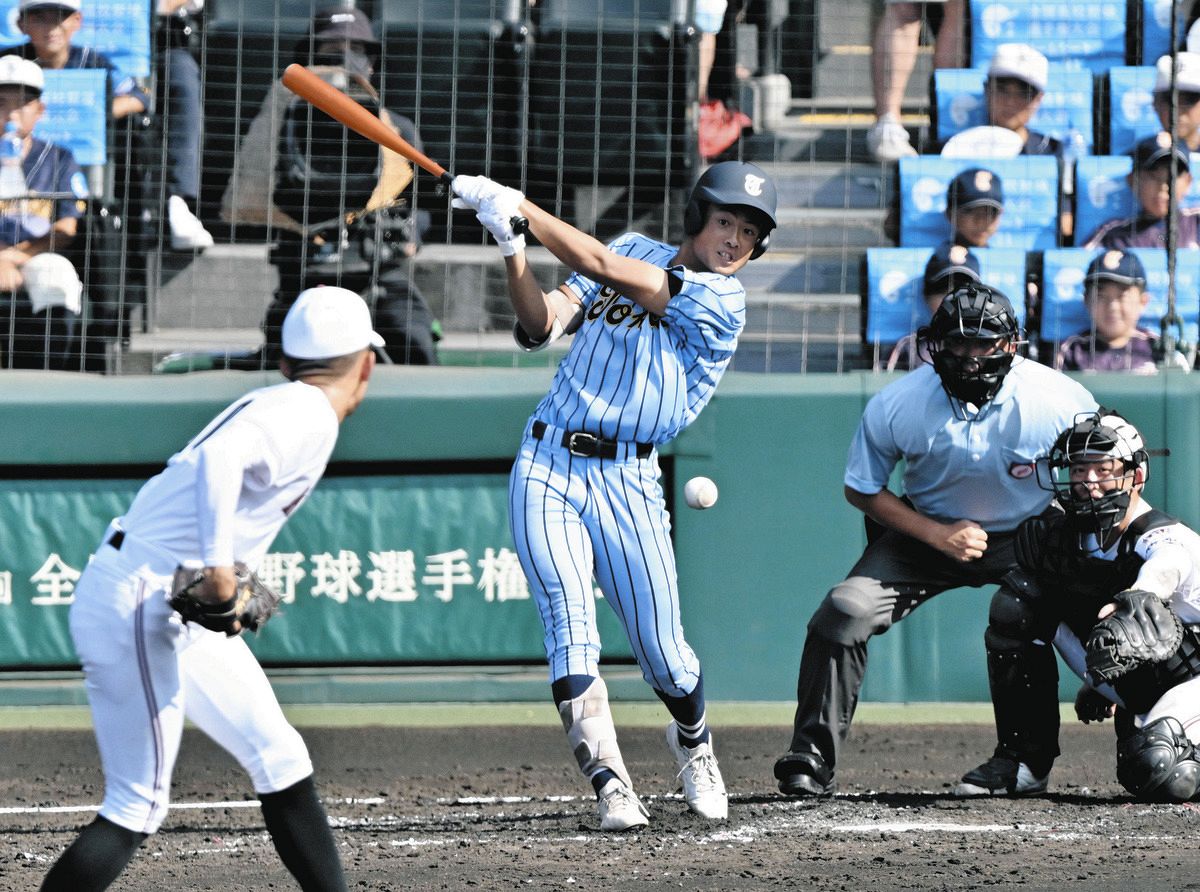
<point>589,445</point>
<point>116,539</point>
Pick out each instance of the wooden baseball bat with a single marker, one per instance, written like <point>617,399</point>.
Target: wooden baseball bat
<point>342,108</point>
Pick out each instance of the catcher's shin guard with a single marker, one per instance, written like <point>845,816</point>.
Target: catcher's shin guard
<point>1158,763</point>
<point>591,733</point>
<point>1022,674</point>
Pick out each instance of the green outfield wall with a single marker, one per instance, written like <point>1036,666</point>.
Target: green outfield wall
<point>402,556</point>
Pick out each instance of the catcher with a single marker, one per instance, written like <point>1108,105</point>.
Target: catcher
<point>158,611</point>
<point>1116,584</point>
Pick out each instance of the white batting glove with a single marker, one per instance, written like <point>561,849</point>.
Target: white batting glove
<point>501,229</point>
<point>475,192</point>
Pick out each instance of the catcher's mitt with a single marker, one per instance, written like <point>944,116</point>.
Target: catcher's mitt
<point>1141,630</point>
<point>252,604</point>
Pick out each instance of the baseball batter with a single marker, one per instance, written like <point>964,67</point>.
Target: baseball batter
<point>221,499</point>
<point>970,427</point>
<point>1109,545</point>
<point>655,327</point>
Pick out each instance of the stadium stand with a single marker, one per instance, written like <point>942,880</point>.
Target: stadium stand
<point>120,29</point>
<point>958,102</point>
<point>1090,35</point>
<point>1130,106</point>
<point>1063,311</point>
<point>1030,200</point>
<point>893,306</point>
<point>1102,191</point>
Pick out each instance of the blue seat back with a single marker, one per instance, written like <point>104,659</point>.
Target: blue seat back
<point>958,94</point>
<point>76,114</point>
<point>1081,35</point>
<point>1030,219</point>
<point>1064,312</point>
<point>118,28</point>
<point>1102,192</point>
<point>895,282</point>
<point>1131,114</point>
<point>1156,27</point>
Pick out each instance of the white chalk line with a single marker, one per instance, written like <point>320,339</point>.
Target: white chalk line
<point>786,817</point>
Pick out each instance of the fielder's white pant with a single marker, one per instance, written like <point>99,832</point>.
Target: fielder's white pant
<point>146,671</point>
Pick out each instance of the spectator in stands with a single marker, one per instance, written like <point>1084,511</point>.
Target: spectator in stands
<point>719,125</point>
<point>949,268</point>
<point>1150,181</point>
<point>1187,86</point>
<point>51,26</point>
<point>974,204</point>
<point>1016,82</point>
<point>335,204</point>
<point>40,292</point>
<point>893,58</point>
<point>1116,296</point>
<point>183,119</point>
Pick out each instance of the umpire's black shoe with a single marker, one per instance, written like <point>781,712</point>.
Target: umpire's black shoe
<point>803,774</point>
<point>1002,775</point>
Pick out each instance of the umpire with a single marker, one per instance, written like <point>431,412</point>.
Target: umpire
<point>969,428</point>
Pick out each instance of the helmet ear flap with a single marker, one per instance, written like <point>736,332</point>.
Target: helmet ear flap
<point>760,246</point>
<point>693,217</point>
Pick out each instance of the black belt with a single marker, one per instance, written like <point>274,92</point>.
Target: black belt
<point>116,539</point>
<point>589,445</point>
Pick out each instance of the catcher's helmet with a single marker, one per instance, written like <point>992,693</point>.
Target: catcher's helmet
<point>734,184</point>
<point>1095,437</point>
<point>974,312</point>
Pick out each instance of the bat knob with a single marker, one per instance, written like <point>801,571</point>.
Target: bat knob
<point>519,225</point>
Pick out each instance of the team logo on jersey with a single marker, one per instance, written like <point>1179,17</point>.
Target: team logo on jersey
<point>617,309</point>
<point>1020,471</point>
<point>754,184</point>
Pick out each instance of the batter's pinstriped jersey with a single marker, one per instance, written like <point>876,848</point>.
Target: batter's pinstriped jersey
<point>632,376</point>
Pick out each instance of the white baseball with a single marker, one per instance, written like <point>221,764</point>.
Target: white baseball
<point>700,492</point>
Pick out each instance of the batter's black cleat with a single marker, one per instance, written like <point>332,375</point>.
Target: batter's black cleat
<point>1002,775</point>
<point>803,774</point>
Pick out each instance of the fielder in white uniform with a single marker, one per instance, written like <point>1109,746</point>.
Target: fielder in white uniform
<point>655,327</point>
<point>1108,539</point>
<point>222,498</point>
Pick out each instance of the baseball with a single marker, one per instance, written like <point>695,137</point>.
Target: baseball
<point>700,492</point>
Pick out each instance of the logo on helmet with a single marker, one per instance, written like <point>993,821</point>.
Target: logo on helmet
<point>754,185</point>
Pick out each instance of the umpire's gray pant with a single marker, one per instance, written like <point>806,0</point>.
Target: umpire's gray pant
<point>895,575</point>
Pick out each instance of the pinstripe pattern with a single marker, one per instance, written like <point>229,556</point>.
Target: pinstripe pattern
<point>632,377</point>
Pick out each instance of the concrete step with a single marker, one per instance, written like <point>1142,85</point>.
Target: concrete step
<point>800,229</point>
<point>846,71</point>
<point>830,184</point>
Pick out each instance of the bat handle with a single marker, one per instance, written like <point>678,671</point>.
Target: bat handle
<point>519,224</point>
<point>446,177</point>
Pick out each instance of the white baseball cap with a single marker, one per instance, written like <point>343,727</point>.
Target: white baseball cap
<point>325,322</point>
<point>1187,73</point>
<point>1020,61</point>
<point>72,5</point>
<point>21,72</point>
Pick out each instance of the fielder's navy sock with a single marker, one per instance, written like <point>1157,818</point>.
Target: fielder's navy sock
<point>688,712</point>
<point>94,859</point>
<point>300,830</point>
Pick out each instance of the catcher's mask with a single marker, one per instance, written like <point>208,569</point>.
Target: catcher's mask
<point>1097,437</point>
<point>970,316</point>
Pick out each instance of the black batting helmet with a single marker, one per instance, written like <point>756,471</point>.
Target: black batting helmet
<point>734,184</point>
<point>974,312</point>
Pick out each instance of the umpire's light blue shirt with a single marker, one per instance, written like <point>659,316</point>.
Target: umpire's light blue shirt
<point>980,468</point>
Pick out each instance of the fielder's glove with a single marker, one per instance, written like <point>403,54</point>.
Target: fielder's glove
<point>251,605</point>
<point>495,206</point>
<point>1141,630</point>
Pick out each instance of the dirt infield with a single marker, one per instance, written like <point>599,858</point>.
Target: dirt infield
<point>502,808</point>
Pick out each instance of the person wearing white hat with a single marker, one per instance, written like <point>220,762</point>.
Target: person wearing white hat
<point>1016,82</point>
<point>1187,87</point>
<point>220,500</point>
<point>42,313</point>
